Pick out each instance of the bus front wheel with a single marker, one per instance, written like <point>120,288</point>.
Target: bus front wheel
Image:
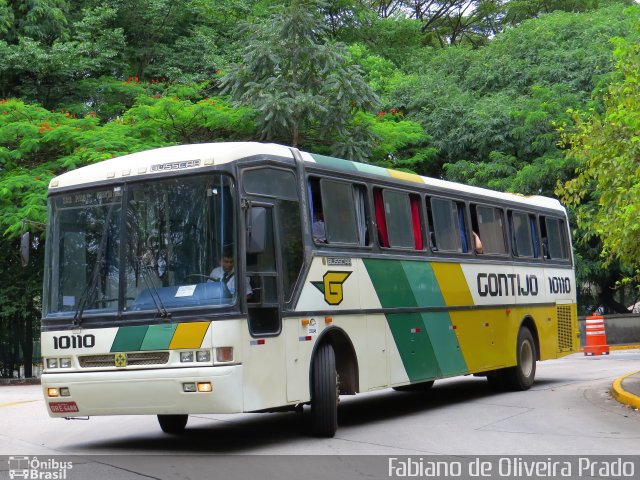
<point>172,423</point>
<point>324,394</point>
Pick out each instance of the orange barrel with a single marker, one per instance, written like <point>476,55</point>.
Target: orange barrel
<point>596,342</point>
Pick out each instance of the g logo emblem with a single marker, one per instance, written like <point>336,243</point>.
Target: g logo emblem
<point>120,360</point>
<point>331,286</point>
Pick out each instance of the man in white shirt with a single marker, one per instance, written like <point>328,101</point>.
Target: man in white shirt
<point>225,273</point>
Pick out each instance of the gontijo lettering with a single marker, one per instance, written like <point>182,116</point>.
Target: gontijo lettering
<point>507,284</point>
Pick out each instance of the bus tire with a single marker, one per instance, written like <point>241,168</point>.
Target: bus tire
<point>415,387</point>
<point>521,376</point>
<point>324,394</point>
<point>172,423</point>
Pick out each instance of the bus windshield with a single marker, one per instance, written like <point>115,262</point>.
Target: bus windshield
<point>161,254</point>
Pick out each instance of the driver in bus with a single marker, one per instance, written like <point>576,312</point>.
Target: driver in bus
<point>225,273</point>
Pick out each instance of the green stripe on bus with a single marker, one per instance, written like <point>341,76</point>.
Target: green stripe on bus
<point>340,164</point>
<point>423,284</point>
<point>372,169</point>
<point>390,282</point>
<point>129,339</point>
<point>445,344</point>
<point>444,341</point>
<point>333,162</point>
<point>158,337</point>
<point>414,345</point>
<point>413,284</point>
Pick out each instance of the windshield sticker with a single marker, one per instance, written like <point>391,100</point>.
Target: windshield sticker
<point>186,291</point>
<point>68,300</point>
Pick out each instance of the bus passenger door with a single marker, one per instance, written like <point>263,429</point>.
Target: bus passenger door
<point>264,360</point>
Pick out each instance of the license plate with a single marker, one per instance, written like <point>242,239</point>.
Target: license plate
<point>63,407</point>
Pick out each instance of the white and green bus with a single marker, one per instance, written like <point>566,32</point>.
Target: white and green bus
<point>350,278</point>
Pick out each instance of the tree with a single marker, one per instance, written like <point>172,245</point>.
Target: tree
<point>44,62</point>
<point>301,83</point>
<point>36,144</point>
<point>606,191</point>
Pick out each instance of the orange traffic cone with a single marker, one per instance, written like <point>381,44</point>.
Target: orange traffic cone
<point>596,343</point>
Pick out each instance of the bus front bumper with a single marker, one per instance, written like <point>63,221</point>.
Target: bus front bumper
<point>144,392</point>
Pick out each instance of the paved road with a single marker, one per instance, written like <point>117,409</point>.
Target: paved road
<point>569,411</point>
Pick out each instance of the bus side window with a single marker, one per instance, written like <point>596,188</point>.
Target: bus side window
<point>402,218</point>
<point>488,227</point>
<point>416,221</point>
<point>554,239</point>
<point>362,214</point>
<point>318,227</point>
<point>338,212</point>
<point>449,225</point>
<point>433,245</point>
<point>523,235</point>
<point>383,237</point>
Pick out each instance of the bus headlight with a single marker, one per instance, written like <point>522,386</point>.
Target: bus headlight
<point>203,356</point>
<point>65,363</point>
<point>52,363</point>
<point>186,357</point>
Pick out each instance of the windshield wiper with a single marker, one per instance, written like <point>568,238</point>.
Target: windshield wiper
<point>92,286</point>
<point>157,301</point>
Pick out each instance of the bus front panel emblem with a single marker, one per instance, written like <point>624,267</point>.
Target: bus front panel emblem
<point>120,360</point>
<point>331,286</point>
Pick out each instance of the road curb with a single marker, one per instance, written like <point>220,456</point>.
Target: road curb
<point>621,395</point>
<point>630,346</point>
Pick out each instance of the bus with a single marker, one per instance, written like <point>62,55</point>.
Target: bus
<point>248,277</point>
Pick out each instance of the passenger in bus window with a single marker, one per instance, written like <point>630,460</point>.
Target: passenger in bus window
<point>318,229</point>
<point>477,243</point>
<point>225,273</point>
<point>545,248</point>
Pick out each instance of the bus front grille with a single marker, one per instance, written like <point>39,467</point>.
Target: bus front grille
<point>565,337</point>
<point>133,359</point>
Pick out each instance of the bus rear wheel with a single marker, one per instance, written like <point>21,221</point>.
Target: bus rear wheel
<point>324,392</point>
<point>521,376</point>
<point>172,423</point>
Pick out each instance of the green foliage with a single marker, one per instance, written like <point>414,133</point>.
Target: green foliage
<point>36,144</point>
<point>400,144</point>
<point>379,72</point>
<point>47,72</point>
<point>504,102</point>
<point>607,147</point>
<point>300,82</point>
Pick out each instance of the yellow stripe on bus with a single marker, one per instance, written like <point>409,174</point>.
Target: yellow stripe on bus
<point>453,285</point>
<point>189,335</point>
<point>409,177</point>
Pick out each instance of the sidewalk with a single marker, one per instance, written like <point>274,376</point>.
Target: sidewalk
<point>626,389</point>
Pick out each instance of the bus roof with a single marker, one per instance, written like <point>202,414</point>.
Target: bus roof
<point>196,156</point>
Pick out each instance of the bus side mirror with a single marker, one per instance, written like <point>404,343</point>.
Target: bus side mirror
<point>256,229</point>
<point>25,245</point>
